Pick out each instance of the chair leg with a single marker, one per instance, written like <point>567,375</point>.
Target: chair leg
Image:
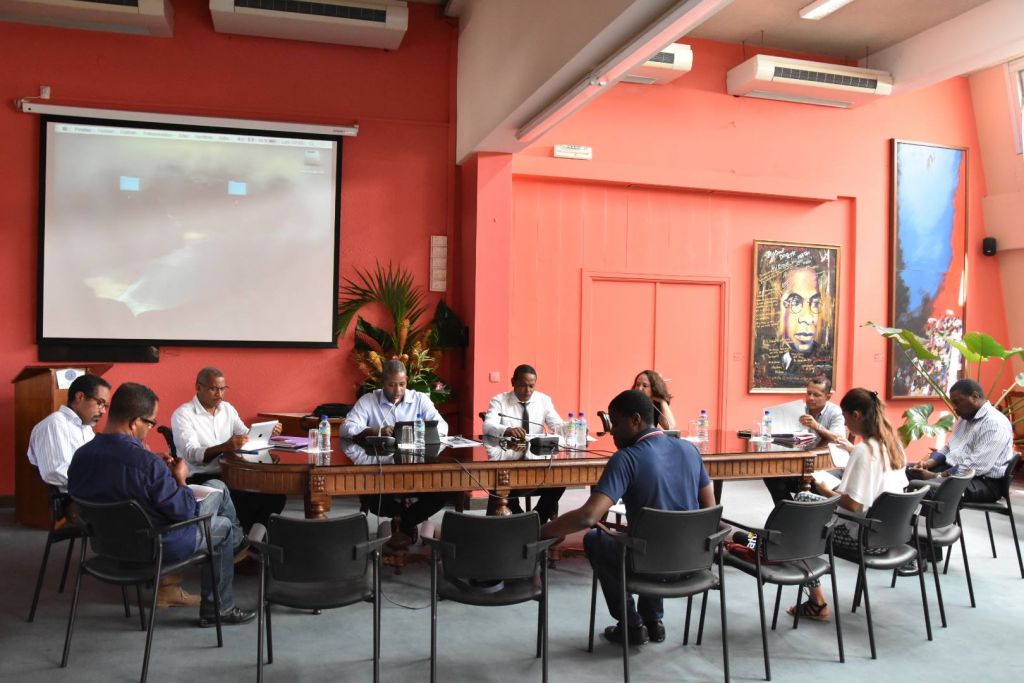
<point>725,630</point>
<point>700,624</point>
<point>216,583</point>
<point>938,594</point>
<point>949,552</point>
<point>74,610</point>
<point>593,613</point>
<point>261,607</point>
<point>799,605</point>
<point>138,598</point>
<point>778,601</point>
<point>624,623</point>
<point>764,629</point>
<point>686,625</point>
<point>270,637</point>
<point>124,601</point>
<point>540,619</point>
<point>835,601</point>
<point>856,594</point>
<point>895,573</point>
<point>1016,541</point>
<point>924,600</point>
<point>152,618</point>
<point>67,563</point>
<point>42,575</point>
<point>376,616</point>
<point>433,618</point>
<point>991,538</point>
<point>863,580</point>
<point>544,613</point>
<point>967,566</point>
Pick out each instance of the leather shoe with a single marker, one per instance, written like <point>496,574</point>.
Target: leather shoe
<point>912,568</point>
<point>233,616</point>
<point>637,635</point>
<point>174,595</point>
<point>656,629</point>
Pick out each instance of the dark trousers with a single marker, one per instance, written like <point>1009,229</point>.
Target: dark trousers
<point>979,489</point>
<point>545,507</point>
<point>388,505</point>
<point>250,507</point>
<point>605,558</point>
<point>783,488</point>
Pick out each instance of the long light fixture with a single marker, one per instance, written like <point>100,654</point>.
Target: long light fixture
<point>819,9</point>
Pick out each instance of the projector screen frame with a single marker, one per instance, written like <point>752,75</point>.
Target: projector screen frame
<point>46,118</point>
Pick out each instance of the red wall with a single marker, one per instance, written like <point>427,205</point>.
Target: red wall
<point>684,178</point>
<point>397,183</point>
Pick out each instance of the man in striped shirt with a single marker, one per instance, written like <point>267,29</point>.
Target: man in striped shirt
<point>982,440</point>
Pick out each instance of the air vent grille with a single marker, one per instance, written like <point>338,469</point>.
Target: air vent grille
<point>663,58</point>
<point>317,9</point>
<point>822,77</point>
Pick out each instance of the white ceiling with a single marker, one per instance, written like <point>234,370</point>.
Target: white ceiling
<point>863,26</point>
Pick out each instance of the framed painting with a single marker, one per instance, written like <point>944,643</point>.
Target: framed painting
<point>929,261</point>
<point>794,315</point>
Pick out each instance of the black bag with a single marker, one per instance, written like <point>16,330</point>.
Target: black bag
<point>331,410</point>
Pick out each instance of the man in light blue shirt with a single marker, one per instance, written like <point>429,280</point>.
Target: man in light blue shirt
<point>377,412</point>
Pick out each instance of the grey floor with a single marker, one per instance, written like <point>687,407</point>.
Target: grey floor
<point>497,644</point>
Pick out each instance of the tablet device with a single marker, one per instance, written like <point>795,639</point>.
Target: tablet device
<point>259,436</point>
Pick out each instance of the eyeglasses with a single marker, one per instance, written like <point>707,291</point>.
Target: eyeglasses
<point>795,303</point>
<point>151,423</point>
<point>102,403</point>
<point>216,390</point>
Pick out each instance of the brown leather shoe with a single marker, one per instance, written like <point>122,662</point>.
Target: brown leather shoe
<point>175,596</point>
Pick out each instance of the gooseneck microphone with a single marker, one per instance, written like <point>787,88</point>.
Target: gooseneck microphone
<point>519,419</point>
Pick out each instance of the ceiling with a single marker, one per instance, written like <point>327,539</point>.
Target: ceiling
<point>863,26</point>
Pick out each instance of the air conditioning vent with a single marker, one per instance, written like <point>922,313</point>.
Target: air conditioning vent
<point>140,17</point>
<point>664,67</point>
<point>806,82</point>
<point>364,24</point>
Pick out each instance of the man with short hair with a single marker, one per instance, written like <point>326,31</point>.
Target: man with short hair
<point>206,428</point>
<point>376,413</point>
<point>823,418</point>
<point>55,439</point>
<point>518,413</point>
<point>651,470</point>
<point>116,466</point>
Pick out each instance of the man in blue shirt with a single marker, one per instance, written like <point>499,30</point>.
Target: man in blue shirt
<point>649,470</point>
<point>116,466</point>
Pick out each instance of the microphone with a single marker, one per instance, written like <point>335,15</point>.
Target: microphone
<point>519,419</point>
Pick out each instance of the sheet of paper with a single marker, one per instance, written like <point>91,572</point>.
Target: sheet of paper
<point>839,455</point>
<point>786,417</point>
<point>459,442</point>
<point>826,479</point>
<point>201,492</point>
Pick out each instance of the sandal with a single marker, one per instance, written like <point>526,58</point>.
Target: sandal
<point>811,610</point>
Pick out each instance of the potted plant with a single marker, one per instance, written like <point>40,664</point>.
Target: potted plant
<point>411,339</point>
<point>975,347</point>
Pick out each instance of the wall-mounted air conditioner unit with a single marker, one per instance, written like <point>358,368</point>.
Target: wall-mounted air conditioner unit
<point>805,82</point>
<point>664,67</point>
<point>364,24</point>
<point>142,17</point>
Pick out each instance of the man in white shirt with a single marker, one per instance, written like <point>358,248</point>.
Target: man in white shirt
<point>206,428</point>
<point>56,438</point>
<point>518,413</point>
<point>376,413</point>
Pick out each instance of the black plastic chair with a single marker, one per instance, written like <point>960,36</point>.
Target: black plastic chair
<point>890,523</point>
<point>69,532</point>
<point>789,553</point>
<point>1004,507</point>
<point>314,564</point>
<point>669,555</point>
<point>128,551</point>
<point>475,551</point>
<point>169,438</point>
<point>939,527</point>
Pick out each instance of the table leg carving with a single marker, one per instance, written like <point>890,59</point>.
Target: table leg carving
<point>808,471</point>
<point>502,491</point>
<point>317,500</point>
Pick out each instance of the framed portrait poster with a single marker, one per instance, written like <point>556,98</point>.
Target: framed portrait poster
<point>795,305</point>
<point>929,261</point>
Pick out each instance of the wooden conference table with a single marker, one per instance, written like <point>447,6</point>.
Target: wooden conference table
<point>349,470</point>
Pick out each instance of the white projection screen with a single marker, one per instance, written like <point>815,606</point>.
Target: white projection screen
<point>166,234</point>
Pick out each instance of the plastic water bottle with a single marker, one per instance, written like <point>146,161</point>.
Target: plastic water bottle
<point>419,429</point>
<point>323,435</point>
<point>702,425</point>
<point>581,431</point>
<point>569,432</point>
<point>766,427</point>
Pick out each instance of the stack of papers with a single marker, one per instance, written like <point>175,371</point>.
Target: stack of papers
<point>291,443</point>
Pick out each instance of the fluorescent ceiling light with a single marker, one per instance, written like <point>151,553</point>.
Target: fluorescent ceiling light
<point>819,9</point>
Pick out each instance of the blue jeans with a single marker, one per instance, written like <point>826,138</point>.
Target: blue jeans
<point>605,558</point>
<point>225,535</point>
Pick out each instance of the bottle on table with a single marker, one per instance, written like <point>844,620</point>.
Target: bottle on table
<point>766,426</point>
<point>581,431</point>
<point>702,425</point>
<point>419,429</point>
<point>569,432</point>
<point>323,435</point>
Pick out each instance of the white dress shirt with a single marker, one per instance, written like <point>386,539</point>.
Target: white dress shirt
<point>373,410</point>
<point>506,411</point>
<point>983,443</point>
<point>52,443</point>
<point>195,430</point>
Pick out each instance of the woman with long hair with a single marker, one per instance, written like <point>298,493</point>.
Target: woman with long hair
<point>876,466</point>
<point>654,386</point>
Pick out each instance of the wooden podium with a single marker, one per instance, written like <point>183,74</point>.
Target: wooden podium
<point>35,396</point>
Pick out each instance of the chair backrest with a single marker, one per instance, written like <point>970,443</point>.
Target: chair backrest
<point>894,511</point>
<point>489,548</point>
<point>119,530</point>
<point>169,438</point>
<point>673,542</point>
<point>802,529</point>
<point>317,549</point>
<point>948,495</point>
<point>1011,467</point>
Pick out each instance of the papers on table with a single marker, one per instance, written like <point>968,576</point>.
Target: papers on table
<point>201,492</point>
<point>786,417</point>
<point>459,442</point>
<point>826,479</point>
<point>839,455</point>
<point>292,443</point>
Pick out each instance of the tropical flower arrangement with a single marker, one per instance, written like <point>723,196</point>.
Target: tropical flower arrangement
<point>412,340</point>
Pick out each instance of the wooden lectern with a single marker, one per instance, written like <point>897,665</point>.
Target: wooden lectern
<point>35,396</point>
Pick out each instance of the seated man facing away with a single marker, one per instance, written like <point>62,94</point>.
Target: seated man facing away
<point>116,466</point>
<point>206,428</point>
<point>826,421</point>
<point>649,470</point>
<point>376,413</point>
<point>520,412</point>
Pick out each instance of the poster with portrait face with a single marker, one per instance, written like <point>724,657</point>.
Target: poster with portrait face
<point>795,302</point>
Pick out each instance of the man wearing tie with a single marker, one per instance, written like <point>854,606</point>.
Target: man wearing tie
<point>518,413</point>
<point>375,414</point>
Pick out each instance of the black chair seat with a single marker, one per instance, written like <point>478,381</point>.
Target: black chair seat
<point>784,573</point>
<point>513,592</point>
<point>947,535</point>
<point>681,587</point>
<point>61,529</point>
<point>112,571</point>
<point>998,507</point>
<point>1001,506</point>
<point>890,559</point>
<point>67,532</point>
<point>319,594</point>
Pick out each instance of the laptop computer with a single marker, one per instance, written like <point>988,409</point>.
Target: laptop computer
<point>259,436</point>
<point>431,430</point>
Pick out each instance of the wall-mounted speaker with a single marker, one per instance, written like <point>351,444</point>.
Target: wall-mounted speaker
<point>988,246</point>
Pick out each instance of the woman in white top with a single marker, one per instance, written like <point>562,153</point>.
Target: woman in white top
<point>876,465</point>
<point>651,383</point>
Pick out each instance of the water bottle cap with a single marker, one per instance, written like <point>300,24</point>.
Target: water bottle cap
<point>323,417</point>
<point>581,413</point>
<point>419,416</point>
<point>570,414</point>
